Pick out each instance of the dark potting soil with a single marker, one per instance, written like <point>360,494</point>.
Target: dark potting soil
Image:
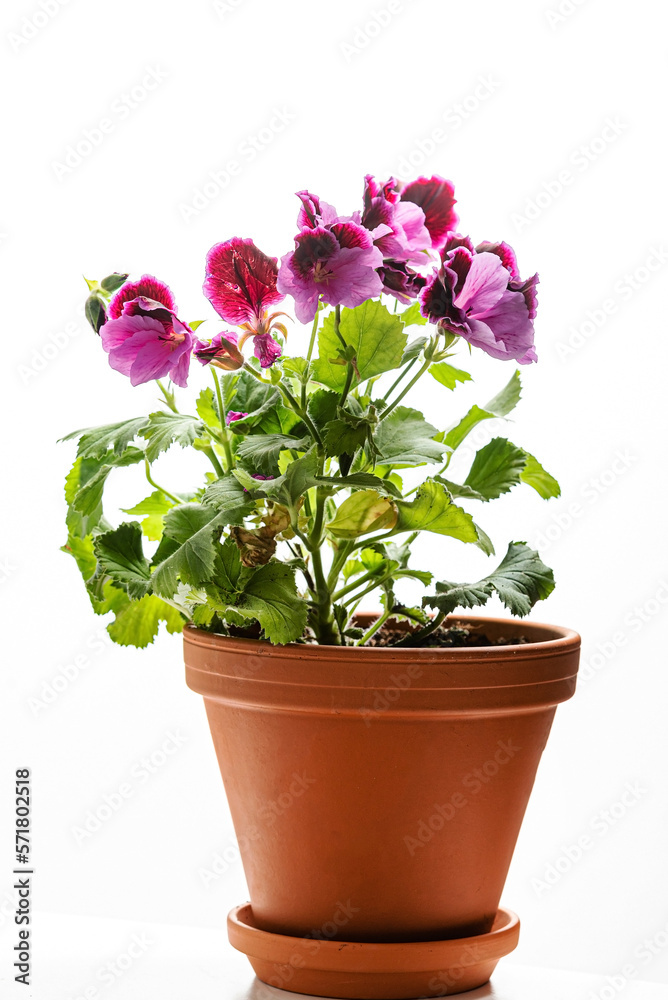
<point>445,636</point>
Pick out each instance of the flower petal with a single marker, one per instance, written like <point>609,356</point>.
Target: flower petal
<point>436,198</point>
<point>240,280</point>
<point>148,287</point>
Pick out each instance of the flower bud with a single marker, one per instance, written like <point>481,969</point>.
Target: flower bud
<point>113,281</point>
<point>95,312</point>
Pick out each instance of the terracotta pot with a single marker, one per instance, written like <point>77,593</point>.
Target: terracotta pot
<point>377,795</point>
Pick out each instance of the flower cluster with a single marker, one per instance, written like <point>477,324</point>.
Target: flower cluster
<point>403,242</point>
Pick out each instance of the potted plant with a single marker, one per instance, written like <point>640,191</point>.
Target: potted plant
<point>377,765</point>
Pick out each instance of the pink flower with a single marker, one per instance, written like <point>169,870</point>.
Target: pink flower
<point>240,283</point>
<point>233,415</point>
<point>144,338</point>
<point>478,295</point>
<point>221,351</point>
<point>436,198</point>
<point>398,226</point>
<point>336,262</point>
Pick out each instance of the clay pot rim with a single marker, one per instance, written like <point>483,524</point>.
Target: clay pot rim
<point>371,956</point>
<point>558,640</point>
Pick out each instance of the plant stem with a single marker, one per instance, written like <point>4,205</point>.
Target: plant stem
<point>213,458</point>
<point>398,380</point>
<point>328,633</point>
<point>415,638</point>
<point>349,381</point>
<point>222,416</point>
<point>161,489</point>
<point>314,330</point>
<point>353,586</point>
<point>169,396</point>
<point>378,582</point>
<point>408,388</point>
<point>380,621</point>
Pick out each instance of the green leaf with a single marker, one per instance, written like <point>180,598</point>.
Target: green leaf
<point>89,497</point>
<point>195,529</point>
<point>299,477</point>
<point>342,439</point>
<point>82,551</point>
<point>448,375</point>
<point>258,401</point>
<point>207,408</point>
<point>375,334</point>
<point>433,510</point>
<point>499,406</point>
<point>405,438</point>
<point>96,441</point>
<point>360,481</point>
<point>457,491</point>
<point>153,509</point>
<point>484,542</point>
<point>165,429</point>
<point>119,552</point>
<point>322,407</point>
<point>412,316</point>
<point>137,622</point>
<point>297,367</point>
<point>543,483</point>
<point>261,451</point>
<point>496,468</point>
<point>414,349</point>
<point>227,496</point>
<point>520,580</point>
<point>361,513</point>
<point>270,595</point>
<point>82,472</point>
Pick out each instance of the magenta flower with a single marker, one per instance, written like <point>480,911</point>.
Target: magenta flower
<point>240,283</point>
<point>436,198</point>
<point>144,338</point>
<point>314,212</point>
<point>478,295</point>
<point>221,351</point>
<point>398,226</point>
<point>336,262</point>
<point>401,281</point>
<point>233,415</point>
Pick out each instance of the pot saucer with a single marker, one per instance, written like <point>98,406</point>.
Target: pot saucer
<point>356,970</point>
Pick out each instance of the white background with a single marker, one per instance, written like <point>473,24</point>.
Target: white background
<point>552,126</point>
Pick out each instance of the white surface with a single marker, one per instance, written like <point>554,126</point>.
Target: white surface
<point>76,955</point>
<point>534,86</point>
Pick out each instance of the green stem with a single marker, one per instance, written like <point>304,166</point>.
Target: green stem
<point>328,633</point>
<point>352,586</point>
<point>161,489</point>
<point>338,562</point>
<point>349,381</point>
<point>415,638</point>
<point>291,401</point>
<point>168,396</point>
<point>374,628</point>
<point>408,388</point>
<point>396,382</point>
<point>314,330</point>
<point>373,586</point>
<point>222,416</point>
<point>213,458</point>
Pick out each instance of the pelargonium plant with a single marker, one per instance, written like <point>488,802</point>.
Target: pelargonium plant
<point>303,511</point>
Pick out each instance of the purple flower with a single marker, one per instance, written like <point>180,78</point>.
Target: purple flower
<point>478,295</point>
<point>233,415</point>
<point>436,198</point>
<point>256,475</point>
<point>398,226</point>
<point>401,281</point>
<point>221,351</point>
<point>144,338</point>
<point>314,212</point>
<point>336,262</point>
<point>266,349</point>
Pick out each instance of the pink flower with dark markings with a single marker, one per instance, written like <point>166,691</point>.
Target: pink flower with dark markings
<point>314,212</point>
<point>221,351</point>
<point>241,283</point>
<point>143,336</point>
<point>336,262</point>
<point>401,281</point>
<point>477,294</point>
<point>403,236</point>
<point>436,198</point>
